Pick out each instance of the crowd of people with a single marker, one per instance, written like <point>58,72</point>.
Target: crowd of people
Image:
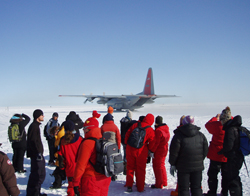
<point>73,156</point>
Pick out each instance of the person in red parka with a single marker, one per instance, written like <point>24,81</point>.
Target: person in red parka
<point>160,150</point>
<point>111,133</point>
<point>137,158</point>
<point>114,132</point>
<point>91,182</point>
<point>217,162</point>
<point>67,153</point>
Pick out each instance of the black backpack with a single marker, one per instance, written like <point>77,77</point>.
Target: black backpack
<point>108,160</point>
<point>136,138</point>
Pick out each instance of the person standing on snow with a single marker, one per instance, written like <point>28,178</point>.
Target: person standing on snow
<point>67,153</point>
<point>188,149</point>
<point>111,133</point>
<point>35,152</point>
<point>20,147</point>
<point>231,150</point>
<point>126,122</point>
<point>91,182</point>
<point>217,162</point>
<point>8,184</point>
<point>50,138</point>
<point>137,158</point>
<point>160,150</point>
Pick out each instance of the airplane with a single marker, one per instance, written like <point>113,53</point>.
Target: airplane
<point>130,102</point>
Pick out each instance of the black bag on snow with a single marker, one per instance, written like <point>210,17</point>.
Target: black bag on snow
<point>137,136</point>
<point>244,140</point>
<point>108,160</point>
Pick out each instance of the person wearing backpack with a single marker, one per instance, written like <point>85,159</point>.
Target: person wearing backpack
<point>91,182</point>
<point>67,153</point>
<point>8,183</point>
<point>231,149</point>
<point>218,163</point>
<point>126,122</point>
<point>188,149</point>
<point>50,138</point>
<point>160,150</point>
<point>111,133</point>
<point>19,147</point>
<point>137,157</point>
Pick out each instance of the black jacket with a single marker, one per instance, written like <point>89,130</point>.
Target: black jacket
<point>23,143</point>
<point>125,125</point>
<point>34,142</point>
<point>188,149</point>
<point>231,142</point>
<point>76,120</point>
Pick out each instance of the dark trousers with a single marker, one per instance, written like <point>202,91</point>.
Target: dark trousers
<point>52,150</point>
<point>59,175</point>
<point>233,166</point>
<point>192,180</point>
<point>214,168</point>
<point>36,177</point>
<point>17,159</point>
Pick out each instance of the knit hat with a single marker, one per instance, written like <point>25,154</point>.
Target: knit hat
<point>95,114</point>
<point>37,113</point>
<point>69,125</point>
<point>129,114</point>
<point>91,123</point>
<point>110,110</point>
<point>158,120</point>
<point>55,114</point>
<point>188,120</point>
<point>225,115</point>
<point>181,119</point>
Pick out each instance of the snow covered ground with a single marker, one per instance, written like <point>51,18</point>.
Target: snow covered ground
<point>171,114</point>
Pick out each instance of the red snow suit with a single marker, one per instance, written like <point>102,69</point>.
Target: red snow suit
<point>109,126</point>
<point>215,128</point>
<point>92,182</point>
<point>160,150</point>
<point>137,158</point>
<point>67,159</point>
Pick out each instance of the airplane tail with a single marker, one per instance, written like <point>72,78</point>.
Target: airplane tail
<point>149,84</point>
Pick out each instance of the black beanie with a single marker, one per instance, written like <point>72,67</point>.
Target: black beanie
<point>37,113</point>
<point>69,125</point>
<point>158,120</point>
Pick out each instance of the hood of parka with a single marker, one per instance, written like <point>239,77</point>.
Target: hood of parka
<point>189,130</point>
<point>235,122</point>
<point>149,119</point>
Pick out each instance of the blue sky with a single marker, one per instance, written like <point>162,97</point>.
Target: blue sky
<point>199,50</point>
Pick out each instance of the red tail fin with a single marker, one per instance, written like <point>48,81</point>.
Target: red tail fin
<point>149,84</point>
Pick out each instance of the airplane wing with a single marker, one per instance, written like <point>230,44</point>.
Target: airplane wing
<point>103,98</point>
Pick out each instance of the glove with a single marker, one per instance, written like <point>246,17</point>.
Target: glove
<point>172,170</point>
<point>151,154</point>
<point>77,193</point>
<point>39,157</point>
